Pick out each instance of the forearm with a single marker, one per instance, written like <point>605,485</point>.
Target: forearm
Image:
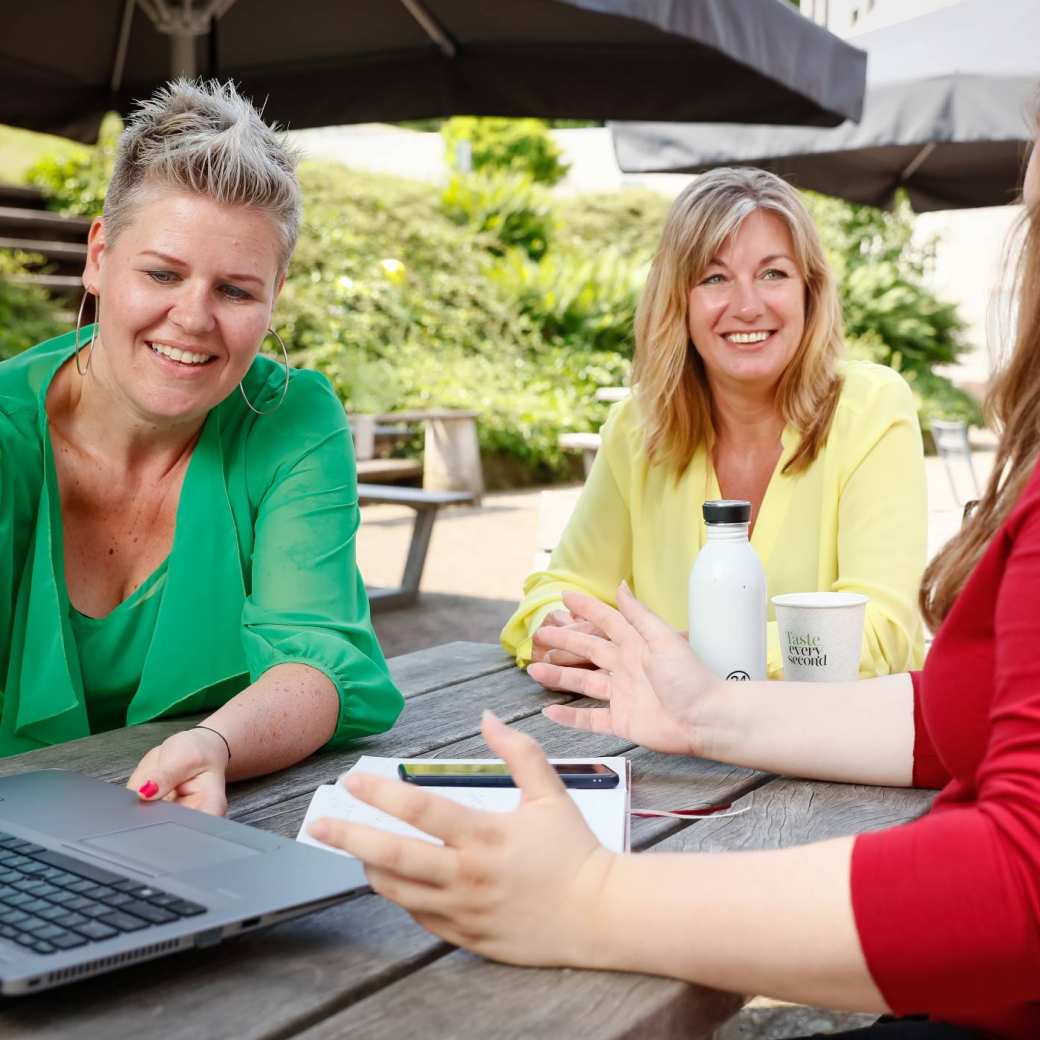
<point>856,732</point>
<point>286,715</point>
<point>778,923</point>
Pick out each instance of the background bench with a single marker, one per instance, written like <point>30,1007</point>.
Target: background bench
<point>451,451</point>
<point>425,504</point>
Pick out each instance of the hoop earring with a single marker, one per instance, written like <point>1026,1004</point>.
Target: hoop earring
<point>84,369</point>
<point>285,386</point>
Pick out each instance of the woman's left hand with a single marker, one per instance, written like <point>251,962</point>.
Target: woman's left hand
<point>522,887</point>
<point>189,768</point>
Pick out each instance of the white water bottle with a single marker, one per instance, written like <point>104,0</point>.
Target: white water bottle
<point>728,596</point>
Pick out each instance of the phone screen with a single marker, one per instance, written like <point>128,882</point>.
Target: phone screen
<point>573,774</point>
<point>498,769</point>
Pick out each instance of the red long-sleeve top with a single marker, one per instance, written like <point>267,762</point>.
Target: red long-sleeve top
<point>948,907</point>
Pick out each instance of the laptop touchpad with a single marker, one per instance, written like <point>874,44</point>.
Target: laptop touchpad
<point>169,848</point>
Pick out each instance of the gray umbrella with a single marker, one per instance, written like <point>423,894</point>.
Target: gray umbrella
<point>63,63</point>
<point>949,114</point>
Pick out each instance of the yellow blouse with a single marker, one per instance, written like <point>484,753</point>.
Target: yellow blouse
<point>854,521</point>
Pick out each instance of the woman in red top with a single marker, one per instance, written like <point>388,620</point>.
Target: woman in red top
<point>936,920</point>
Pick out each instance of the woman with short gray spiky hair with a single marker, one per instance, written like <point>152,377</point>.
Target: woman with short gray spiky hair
<point>181,510</point>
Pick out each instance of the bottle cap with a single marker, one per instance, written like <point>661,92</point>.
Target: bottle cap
<point>727,511</point>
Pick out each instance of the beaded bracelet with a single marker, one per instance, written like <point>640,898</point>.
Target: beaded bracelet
<point>210,729</point>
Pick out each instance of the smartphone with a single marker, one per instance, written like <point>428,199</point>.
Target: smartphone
<point>496,774</point>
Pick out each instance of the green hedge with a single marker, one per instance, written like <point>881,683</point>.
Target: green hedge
<point>27,315</point>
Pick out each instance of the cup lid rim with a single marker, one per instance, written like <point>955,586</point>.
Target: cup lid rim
<point>820,600</point>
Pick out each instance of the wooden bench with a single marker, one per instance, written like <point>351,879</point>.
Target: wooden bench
<point>451,451</point>
<point>589,443</point>
<point>388,471</point>
<point>425,504</point>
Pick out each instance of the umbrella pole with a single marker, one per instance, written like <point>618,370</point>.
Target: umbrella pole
<point>183,23</point>
<point>182,55</point>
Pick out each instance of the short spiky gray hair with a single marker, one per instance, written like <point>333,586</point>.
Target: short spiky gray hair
<point>204,137</point>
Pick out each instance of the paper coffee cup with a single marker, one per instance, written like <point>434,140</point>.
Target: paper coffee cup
<point>820,635</point>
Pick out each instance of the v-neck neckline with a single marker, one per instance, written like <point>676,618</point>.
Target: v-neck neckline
<point>136,596</point>
<point>53,485</point>
<point>775,501</point>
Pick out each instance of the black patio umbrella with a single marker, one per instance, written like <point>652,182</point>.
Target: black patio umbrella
<point>64,63</point>
<point>949,114</point>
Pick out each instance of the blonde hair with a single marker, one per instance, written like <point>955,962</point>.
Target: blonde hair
<point>668,373</point>
<point>1013,407</point>
<point>203,137</point>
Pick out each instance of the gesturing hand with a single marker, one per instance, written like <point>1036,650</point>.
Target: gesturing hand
<point>646,673</point>
<point>190,768</point>
<point>491,887</point>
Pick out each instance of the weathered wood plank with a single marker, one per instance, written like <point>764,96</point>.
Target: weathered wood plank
<point>794,812</point>
<point>460,997</point>
<point>439,666</point>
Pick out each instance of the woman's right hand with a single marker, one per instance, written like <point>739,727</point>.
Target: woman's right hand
<point>651,682</point>
<point>561,619</point>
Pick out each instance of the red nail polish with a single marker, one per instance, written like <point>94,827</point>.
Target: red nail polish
<point>149,789</point>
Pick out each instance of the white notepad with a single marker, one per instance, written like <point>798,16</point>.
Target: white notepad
<point>605,811</point>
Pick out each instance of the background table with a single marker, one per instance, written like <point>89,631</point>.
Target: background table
<point>364,969</point>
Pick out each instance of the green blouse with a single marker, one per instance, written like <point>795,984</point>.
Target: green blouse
<point>261,571</point>
<point>112,650</point>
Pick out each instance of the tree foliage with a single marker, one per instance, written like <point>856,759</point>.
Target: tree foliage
<point>522,146</point>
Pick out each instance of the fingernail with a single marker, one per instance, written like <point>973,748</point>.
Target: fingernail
<point>319,831</point>
<point>149,789</point>
<point>548,656</point>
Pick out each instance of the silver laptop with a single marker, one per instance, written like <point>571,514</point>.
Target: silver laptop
<point>92,879</point>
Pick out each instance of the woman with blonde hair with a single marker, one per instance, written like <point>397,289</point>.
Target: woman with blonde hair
<point>741,393</point>
<point>180,510</point>
<point>935,923</point>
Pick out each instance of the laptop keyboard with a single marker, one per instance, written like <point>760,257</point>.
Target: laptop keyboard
<point>50,901</point>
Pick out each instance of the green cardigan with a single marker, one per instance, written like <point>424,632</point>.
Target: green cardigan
<point>261,571</point>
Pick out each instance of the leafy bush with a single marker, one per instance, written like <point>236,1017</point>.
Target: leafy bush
<point>508,207</point>
<point>629,221</point>
<point>76,184</point>
<point>583,300</point>
<point>27,315</point>
<point>404,308</point>
<point>522,146</point>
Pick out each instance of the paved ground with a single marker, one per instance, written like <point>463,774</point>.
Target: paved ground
<point>475,570</point>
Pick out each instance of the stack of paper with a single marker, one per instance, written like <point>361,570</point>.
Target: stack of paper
<point>605,811</point>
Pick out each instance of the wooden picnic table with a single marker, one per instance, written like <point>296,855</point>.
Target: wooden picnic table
<point>364,969</point>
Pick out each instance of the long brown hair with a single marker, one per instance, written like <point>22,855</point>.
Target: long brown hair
<point>1012,406</point>
<point>668,373</point>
